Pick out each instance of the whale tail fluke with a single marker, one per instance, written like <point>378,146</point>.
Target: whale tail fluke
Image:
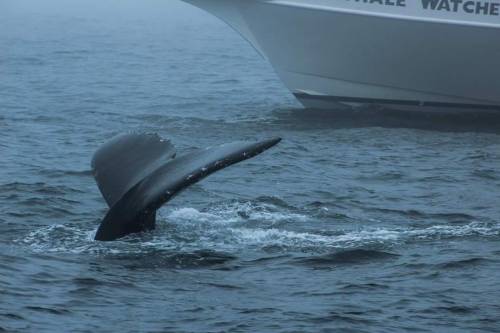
<point>125,160</point>
<point>138,173</point>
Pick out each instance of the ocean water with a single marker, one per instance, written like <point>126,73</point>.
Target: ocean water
<point>359,221</point>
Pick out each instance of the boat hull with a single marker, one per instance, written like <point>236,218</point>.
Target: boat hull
<point>352,53</point>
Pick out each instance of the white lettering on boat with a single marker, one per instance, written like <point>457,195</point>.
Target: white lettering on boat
<point>466,6</point>
<point>475,7</point>
<point>398,3</point>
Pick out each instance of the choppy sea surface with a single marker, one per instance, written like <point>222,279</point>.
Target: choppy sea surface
<point>359,221</point>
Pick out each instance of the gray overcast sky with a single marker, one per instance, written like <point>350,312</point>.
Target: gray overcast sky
<point>170,9</point>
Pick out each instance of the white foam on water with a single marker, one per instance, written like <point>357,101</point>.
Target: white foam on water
<point>60,238</point>
<point>234,213</point>
<point>284,238</point>
<point>183,215</point>
<point>446,231</point>
<point>239,225</point>
<point>359,238</point>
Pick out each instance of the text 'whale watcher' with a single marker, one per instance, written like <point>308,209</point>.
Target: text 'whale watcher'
<point>138,173</point>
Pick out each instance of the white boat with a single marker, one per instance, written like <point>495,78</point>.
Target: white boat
<point>402,53</point>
